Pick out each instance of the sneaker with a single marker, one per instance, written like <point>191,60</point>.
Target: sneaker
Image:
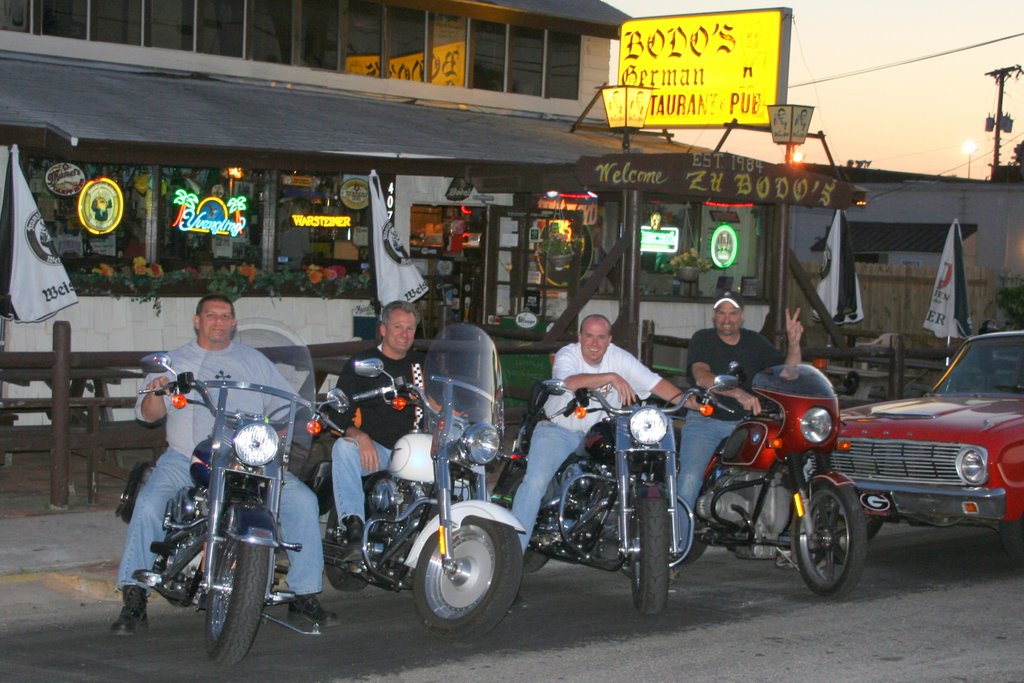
<point>309,607</point>
<point>133,614</point>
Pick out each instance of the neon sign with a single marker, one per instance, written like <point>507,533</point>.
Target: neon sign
<point>725,245</point>
<point>211,215</point>
<point>100,206</point>
<point>665,239</point>
<point>301,220</point>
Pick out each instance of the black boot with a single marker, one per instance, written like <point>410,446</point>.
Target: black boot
<point>308,606</point>
<point>133,614</point>
<point>351,536</point>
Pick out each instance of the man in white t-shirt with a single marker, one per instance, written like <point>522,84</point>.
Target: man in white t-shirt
<point>593,363</point>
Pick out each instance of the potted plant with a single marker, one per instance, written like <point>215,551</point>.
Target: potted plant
<point>687,265</point>
<point>558,248</point>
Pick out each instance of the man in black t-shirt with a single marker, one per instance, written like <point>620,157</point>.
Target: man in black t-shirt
<point>370,428</point>
<point>726,349</point>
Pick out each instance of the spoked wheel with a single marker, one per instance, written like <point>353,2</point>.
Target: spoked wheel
<point>340,577</point>
<point>649,568</point>
<point>830,543</point>
<point>235,604</point>
<point>469,598</point>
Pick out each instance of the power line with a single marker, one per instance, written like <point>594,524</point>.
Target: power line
<point>904,62</point>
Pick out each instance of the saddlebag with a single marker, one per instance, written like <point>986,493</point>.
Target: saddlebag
<point>136,479</point>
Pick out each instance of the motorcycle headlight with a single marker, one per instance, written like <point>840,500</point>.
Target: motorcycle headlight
<point>480,443</point>
<point>972,465</point>
<point>256,444</point>
<point>648,426</point>
<point>816,425</point>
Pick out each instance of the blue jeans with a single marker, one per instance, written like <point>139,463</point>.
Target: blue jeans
<point>549,448</point>
<point>698,440</point>
<point>347,473</point>
<point>299,519</point>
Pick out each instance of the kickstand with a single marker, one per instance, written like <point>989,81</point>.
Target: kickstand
<point>315,631</point>
<point>784,558</point>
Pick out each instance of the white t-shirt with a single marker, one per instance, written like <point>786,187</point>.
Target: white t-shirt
<point>569,361</point>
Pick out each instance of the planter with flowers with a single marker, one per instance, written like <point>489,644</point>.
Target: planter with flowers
<point>143,281</point>
<point>688,265</point>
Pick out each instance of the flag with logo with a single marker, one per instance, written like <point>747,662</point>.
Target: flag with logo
<point>839,287</point>
<point>397,277</point>
<point>33,282</point>
<point>948,313</point>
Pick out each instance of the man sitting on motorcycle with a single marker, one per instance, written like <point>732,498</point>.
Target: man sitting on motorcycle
<point>371,428</point>
<point>726,349</point>
<point>212,355</point>
<point>593,363</point>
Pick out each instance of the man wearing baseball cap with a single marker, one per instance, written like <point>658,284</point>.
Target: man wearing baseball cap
<point>726,349</point>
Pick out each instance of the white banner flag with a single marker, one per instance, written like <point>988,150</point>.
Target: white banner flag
<point>39,285</point>
<point>397,278</point>
<point>948,313</point>
<point>839,287</point>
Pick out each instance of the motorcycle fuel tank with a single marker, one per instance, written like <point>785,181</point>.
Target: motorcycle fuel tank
<point>747,446</point>
<point>411,460</point>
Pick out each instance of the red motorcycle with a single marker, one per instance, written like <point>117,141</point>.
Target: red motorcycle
<point>770,491</point>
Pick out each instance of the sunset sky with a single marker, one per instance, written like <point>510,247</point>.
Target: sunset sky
<point>915,117</point>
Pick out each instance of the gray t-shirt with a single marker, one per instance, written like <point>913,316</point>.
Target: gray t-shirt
<point>189,425</point>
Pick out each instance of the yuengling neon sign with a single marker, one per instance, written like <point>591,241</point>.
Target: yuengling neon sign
<point>212,215</point>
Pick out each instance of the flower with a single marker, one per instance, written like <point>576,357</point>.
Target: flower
<point>690,258</point>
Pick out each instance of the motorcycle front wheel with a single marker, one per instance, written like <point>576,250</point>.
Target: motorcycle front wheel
<point>235,605</point>
<point>649,567</point>
<point>830,543</point>
<point>469,599</point>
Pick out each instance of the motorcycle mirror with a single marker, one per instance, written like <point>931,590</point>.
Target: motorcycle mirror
<point>156,362</point>
<point>725,382</point>
<point>369,367</point>
<point>337,400</point>
<point>554,386</point>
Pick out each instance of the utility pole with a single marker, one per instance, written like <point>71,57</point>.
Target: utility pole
<point>1001,75</point>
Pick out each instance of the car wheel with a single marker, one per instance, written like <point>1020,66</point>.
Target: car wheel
<point>1012,536</point>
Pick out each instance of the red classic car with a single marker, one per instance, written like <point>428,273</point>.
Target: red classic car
<point>954,456</point>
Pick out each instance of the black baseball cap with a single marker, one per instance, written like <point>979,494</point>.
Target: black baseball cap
<point>732,297</point>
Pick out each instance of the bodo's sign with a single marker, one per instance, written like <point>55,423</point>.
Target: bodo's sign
<point>708,69</point>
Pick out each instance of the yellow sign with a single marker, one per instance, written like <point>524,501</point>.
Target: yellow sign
<point>301,220</point>
<point>100,206</point>
<point>708,69</point>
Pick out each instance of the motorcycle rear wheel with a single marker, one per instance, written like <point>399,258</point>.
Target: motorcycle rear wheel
<point>649,568</point>
<point>830,543</point>
<point>233,615</point>
<point>476,598</point>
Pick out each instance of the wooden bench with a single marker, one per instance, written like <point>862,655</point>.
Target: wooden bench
<point>93,434</point>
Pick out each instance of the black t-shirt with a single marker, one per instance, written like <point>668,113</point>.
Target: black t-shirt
<point>380,421</point>
<point>753,353</point>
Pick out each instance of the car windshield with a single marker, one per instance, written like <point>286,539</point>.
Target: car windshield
<point>986,365</point>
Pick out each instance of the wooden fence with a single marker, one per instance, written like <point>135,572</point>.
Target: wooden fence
<point>895,299</point>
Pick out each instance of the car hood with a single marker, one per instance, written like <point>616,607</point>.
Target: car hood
<point>936,418</point>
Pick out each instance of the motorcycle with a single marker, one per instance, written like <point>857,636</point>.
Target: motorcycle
<point>609,508</point>
<point>223,532</point>
<point>769,491</point>
<point>430,526</point>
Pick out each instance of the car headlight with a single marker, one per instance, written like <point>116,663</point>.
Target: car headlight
<point>816,425</point>
<point>480,443</point>
<point>256,444</point>
<point>648,426</point>
<point>972,465</point>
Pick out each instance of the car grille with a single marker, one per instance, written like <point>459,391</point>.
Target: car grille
<point>907,461</point>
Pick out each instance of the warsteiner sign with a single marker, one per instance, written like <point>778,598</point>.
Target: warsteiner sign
<point>708,69</point>
<point>715,175</point>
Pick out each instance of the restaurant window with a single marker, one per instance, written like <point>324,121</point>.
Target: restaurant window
<point>272,31</point>
<point>171,24</point>
<point>361,36</point>
<point>322,219</point>
<point>488,56</point>
<point>406,35</point>
<point>15,16</point>
<point>221,27</point>
<point>563,70</point>
<point>117,21</point>
<point>448,50</point>
<point>210,218</point>
<point>694,249</point>
<point>64,18</point>
<point>318,34</point>
<point>526,61</point>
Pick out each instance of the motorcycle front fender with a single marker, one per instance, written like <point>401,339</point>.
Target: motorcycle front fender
<point>836,478</point>
<point>466,508</point>
<point>248,523</point>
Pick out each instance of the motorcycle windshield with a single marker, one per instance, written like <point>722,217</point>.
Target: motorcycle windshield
<point>463,379</point>
<point>801,380</point>
<point>290,356</point>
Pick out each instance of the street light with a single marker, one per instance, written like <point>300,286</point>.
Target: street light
<point>969,148</point>
<point>625,107</point>
<point>790,123</point>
